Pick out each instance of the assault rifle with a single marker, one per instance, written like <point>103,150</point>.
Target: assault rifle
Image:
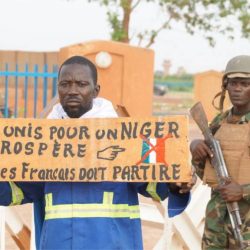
<point>217,161</point>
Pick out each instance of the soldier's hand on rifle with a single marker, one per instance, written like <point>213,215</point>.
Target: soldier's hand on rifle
<point>199,150</point>
<point>231,191</point>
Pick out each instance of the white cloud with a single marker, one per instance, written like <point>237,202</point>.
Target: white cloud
<point>36,25</point>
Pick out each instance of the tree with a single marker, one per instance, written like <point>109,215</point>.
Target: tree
<point>196,15</point>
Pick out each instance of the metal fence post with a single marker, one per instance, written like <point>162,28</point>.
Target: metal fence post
<point>26,90</point>
<point>45,85</point>
<point>6,94</point>
<point>35,89</point>
<point>16,93</point>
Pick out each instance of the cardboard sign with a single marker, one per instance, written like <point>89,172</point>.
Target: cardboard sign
<point>117,149</point>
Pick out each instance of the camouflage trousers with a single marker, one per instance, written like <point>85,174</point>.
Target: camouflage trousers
<point>218,234</point>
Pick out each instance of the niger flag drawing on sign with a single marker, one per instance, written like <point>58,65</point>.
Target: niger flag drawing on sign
<point>153,150</point>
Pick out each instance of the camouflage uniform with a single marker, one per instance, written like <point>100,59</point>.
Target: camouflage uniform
<point>218,232</point>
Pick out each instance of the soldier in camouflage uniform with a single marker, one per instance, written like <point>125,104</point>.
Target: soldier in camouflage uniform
<point>218,232</point>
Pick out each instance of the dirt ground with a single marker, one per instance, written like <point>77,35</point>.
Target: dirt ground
<point>171,103</point>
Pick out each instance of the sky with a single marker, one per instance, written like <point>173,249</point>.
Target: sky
<point>48,25</point>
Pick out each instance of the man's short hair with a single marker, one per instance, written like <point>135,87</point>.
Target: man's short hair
<point>83,61</point>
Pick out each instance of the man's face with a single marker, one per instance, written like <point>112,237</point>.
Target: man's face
<point>239,91</point>
<point>76,89</point>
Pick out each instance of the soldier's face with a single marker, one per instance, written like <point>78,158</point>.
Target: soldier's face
<point>239,91</point>
<point>76,89</point>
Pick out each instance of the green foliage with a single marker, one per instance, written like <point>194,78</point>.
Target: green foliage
<point>176,83</point>
<point>245,21</point>
<point>196,15</point>
<point>176,78</point>
<point>116,25</point>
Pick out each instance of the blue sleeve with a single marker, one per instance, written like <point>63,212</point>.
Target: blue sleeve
<point>32,191</point>
<point>39,215</point>
<point>29,192</point>
<point>162,190</point>
<point>177,203</point>
<point>5,194</point>
<point>141,188</point>
<point>157,191</point>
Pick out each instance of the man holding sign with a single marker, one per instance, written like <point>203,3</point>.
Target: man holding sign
<point>90,215</point>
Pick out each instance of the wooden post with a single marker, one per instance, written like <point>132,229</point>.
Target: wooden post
<point>19,232</point>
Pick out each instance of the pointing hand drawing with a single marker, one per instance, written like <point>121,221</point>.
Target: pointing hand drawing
<point>109,153</point>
